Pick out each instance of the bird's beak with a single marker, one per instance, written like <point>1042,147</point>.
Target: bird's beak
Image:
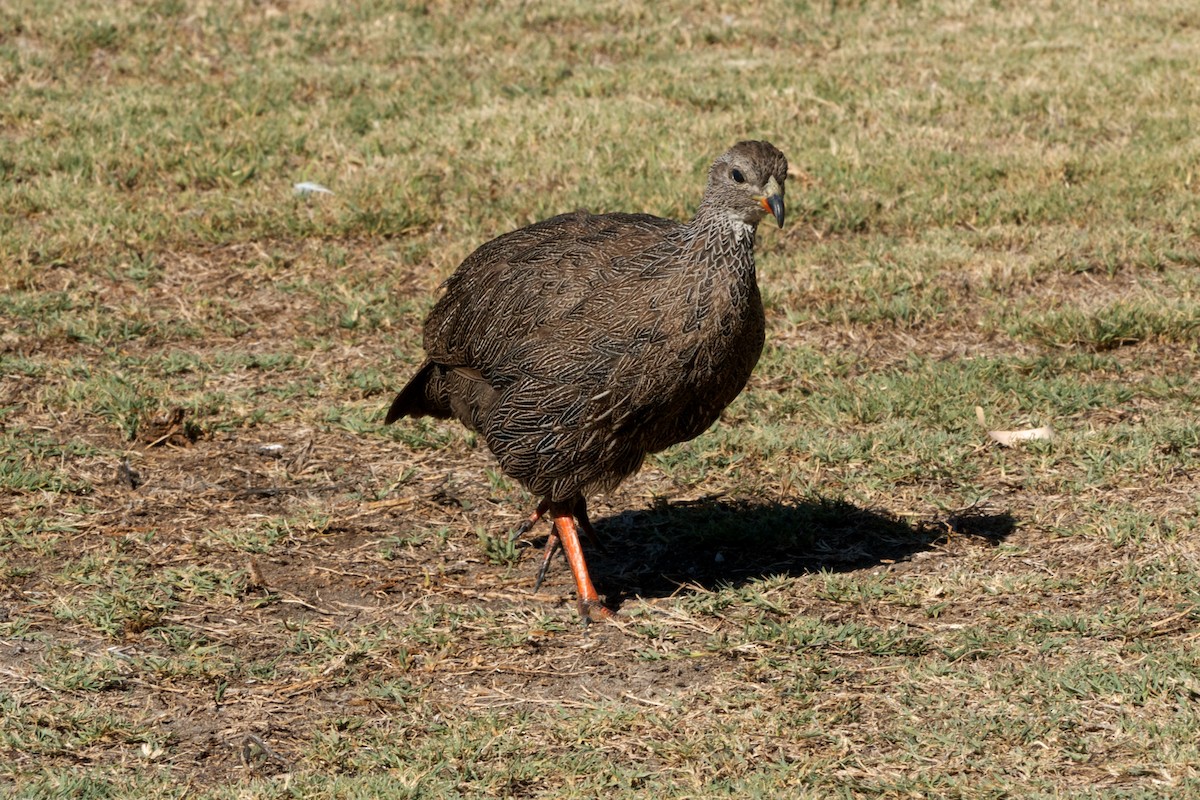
<point>772,201</point>
<point>774,204</point>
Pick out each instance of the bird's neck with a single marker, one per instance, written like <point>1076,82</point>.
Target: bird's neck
<point>718,261</point>
<point>717,238</point>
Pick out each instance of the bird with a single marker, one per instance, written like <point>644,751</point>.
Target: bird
<point>578,345</point>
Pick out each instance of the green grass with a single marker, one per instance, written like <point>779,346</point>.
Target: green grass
<point>842,590</point>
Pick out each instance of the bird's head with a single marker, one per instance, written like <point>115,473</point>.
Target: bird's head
<point>747,182</point>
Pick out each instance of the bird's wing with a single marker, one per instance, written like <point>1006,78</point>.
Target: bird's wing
<point>545,316</point>
<point>508,290</point>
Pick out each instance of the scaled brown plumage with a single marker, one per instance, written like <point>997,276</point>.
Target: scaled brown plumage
<point>580,344</point>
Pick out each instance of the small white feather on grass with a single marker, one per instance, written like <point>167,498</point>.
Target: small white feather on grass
<point>306,188</point>
<point>1011,438</point>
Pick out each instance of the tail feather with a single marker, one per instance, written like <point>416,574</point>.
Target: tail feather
<point>421,397</point>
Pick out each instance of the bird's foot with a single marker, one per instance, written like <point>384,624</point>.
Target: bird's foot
<point>593,611</point>
<point>526,526</point>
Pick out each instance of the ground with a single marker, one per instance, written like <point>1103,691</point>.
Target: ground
<point>221,576</point>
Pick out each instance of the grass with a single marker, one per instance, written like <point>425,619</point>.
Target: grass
<point>842,590</point>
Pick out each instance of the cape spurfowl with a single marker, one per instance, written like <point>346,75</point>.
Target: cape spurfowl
<point>579,344</point>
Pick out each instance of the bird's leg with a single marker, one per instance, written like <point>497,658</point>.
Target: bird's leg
<point>552,543</point>
<point>526,526</point>
<point>591,609</point>
<point>581,514</point>
<point>551,548</point>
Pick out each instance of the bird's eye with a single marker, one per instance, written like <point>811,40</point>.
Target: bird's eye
<point>737,176</point>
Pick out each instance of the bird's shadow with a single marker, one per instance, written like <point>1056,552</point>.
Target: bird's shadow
<point>719,542</point>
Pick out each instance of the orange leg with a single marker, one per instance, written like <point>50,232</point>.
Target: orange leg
<point>581,514</point>
<point>585,524</point>
<point>526,526</point>
<point>591,609</point>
